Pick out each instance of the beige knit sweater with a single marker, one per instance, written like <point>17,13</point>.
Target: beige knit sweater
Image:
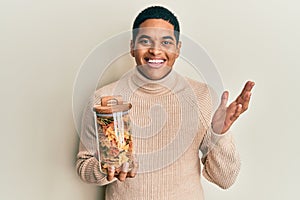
<point>171,123</point>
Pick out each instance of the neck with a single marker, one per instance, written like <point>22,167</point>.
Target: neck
<point>152,79</point>
<point>160,86</point>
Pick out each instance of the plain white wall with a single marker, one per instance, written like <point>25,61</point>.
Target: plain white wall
<point>43,43</point>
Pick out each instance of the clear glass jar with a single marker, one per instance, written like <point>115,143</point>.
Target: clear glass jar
<point>113,133</point>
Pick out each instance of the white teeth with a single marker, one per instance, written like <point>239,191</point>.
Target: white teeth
<point>155,61</point>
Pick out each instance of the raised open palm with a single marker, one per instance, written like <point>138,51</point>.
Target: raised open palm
<point>225,116</point>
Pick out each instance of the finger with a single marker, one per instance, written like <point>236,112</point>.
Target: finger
<point>230,111</point>
<point>246,93</point>
<point>237,112</point>
<point>244,100</point>
<point>224,99</point>
<point>247,96</point>
<point>110,173</point>
<point>245,103</point>
<point>133,171</point>
<point>247,88</point>
<point>124,170</point>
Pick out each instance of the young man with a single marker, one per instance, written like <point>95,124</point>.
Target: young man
<point>172,120</point>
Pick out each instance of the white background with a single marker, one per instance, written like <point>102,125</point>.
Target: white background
<point>42,46</point>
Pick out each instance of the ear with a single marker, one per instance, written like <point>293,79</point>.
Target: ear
<point>178,49</point>
<point>131,48</point>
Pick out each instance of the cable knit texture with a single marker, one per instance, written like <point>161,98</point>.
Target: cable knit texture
<point>170,124</point>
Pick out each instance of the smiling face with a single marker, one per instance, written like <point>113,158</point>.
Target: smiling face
<point>155,48</point>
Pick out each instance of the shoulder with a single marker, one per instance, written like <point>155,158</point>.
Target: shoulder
<point>106,90</point>
<point>118,87</point>
<point>204,99</point>
<point>200,89</point>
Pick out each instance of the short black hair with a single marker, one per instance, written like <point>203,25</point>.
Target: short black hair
<point>156,12</point>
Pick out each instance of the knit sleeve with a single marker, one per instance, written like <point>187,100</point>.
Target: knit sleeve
<point>220,159</point>
<point>87,164</point>
<point>88,169</point>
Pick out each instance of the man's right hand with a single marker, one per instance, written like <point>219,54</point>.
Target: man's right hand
<point>124,173</point>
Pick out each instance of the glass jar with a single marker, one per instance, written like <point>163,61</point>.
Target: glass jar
<point>113,133</point>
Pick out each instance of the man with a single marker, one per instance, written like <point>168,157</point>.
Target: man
<point>172,120</point>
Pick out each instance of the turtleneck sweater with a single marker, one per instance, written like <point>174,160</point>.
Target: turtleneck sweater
<point>170,121</point>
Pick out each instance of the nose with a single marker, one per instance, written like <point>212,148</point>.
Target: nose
<point>155,48</point>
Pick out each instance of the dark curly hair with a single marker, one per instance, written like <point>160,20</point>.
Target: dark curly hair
<point>156,12</point>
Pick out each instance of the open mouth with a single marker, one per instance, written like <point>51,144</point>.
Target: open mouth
<point>155,63</point>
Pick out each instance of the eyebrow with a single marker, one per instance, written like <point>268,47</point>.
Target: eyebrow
<point>168,38</point>
<point>144,36</point>
<point>148,37</point>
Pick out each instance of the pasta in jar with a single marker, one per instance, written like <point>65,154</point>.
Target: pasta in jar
<point>114,136</point>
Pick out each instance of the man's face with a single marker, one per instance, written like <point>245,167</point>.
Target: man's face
<point>155,48</point>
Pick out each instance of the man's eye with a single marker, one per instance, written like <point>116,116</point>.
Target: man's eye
<point>144,42</point>
<point>166,43</point>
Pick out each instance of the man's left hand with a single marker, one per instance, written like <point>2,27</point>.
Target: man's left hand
<point>225,116</point>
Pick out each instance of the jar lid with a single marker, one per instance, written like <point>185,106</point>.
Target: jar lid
<point>112,104</point>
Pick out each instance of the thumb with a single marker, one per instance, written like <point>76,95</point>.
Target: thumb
<point>224,99</point>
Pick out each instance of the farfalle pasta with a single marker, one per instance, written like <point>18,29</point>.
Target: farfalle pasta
<point>115,144</point>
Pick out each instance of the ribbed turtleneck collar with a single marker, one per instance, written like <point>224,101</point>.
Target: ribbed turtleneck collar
<point>158,87</point>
